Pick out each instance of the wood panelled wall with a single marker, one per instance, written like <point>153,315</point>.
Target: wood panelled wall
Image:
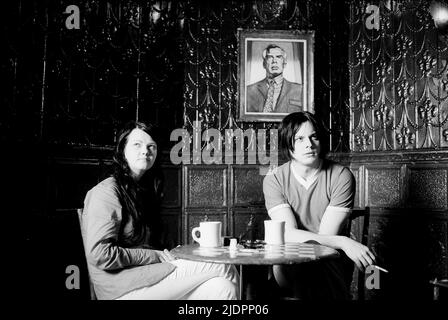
<point>67,92</point>
<point>408,228</point>
<point>398,79</point>
<point>228,193</point>
<point>398,141</point>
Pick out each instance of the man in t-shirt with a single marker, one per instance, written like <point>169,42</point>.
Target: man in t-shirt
<point>314,197</point>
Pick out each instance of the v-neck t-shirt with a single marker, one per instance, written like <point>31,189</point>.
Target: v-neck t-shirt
<point>332,186</point>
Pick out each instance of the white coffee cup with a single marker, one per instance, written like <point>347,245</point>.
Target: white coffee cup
<point>274,232</point>
<point>210,234</point>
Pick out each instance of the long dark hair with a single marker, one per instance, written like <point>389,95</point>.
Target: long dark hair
<point>139,200</point>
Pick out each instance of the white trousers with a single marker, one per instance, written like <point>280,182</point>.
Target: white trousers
<point>192,280</point>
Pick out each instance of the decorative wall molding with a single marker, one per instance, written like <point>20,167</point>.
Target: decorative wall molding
<point>211,60</point>
<point>434,156</point>
<point>75,87</point>
<point>398,78</point>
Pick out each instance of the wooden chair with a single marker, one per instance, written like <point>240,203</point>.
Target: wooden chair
<point>438,287</point>
<point>80,219</point>
<point>359,231</point>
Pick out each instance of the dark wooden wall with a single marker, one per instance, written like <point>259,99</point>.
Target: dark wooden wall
<point>398,139</point>
<point>68,91</point>
<point>408,197</point>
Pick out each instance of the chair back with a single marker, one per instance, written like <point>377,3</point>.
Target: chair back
<point>440,289</point>
<point>83,235</point>
<point>359,231</point>
<point>359,224</point>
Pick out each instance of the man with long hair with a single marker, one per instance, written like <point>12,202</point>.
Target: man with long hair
<point>314,197</point>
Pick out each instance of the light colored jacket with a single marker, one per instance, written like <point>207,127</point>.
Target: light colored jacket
<point>115,270</point>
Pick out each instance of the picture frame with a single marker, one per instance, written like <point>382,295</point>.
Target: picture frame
<point>288,60</point>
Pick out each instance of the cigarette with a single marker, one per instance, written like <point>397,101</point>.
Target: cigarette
<point>381,269</point>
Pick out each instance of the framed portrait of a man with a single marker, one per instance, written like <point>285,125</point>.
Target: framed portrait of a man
<point>275,73</point>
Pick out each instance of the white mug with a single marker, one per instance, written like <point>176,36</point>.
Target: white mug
<point>274,232</point>
<point>210,234</point>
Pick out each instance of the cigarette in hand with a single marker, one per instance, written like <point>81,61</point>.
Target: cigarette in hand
<point>379,268</point>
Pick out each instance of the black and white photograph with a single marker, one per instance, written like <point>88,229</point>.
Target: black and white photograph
<point>276,73</point>
<point>266,154</point>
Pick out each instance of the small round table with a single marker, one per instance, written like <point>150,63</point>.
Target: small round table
<point>289,253</point>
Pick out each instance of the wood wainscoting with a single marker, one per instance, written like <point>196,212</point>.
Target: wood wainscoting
<point>407,193</point>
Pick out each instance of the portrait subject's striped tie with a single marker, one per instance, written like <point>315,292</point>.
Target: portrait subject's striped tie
<point>269,105</point>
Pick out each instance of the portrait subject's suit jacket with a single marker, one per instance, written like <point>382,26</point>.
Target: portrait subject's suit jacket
<point>289,100</point>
